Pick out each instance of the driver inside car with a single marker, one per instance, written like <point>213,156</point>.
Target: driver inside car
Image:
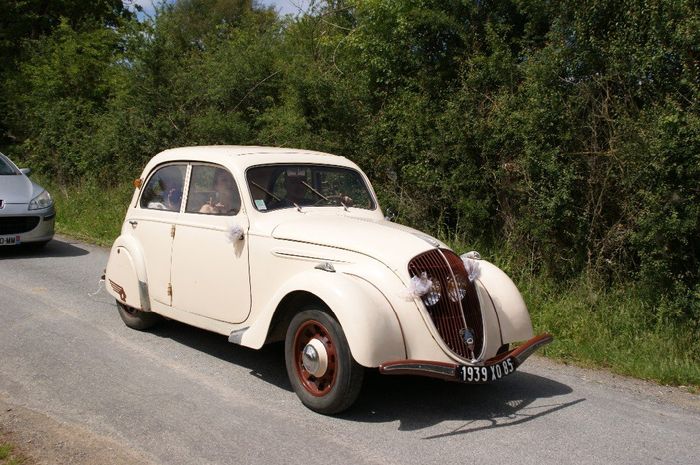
<point>296,189</point>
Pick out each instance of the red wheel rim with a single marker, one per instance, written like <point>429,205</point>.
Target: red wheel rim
<point>322,385</point>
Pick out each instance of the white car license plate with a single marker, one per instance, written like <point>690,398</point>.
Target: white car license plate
<point>10,240</point>
<point>488,373</point>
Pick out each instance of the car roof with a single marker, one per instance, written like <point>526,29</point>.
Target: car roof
<point>244,156</point>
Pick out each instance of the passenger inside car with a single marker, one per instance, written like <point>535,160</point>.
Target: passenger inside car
<point>164,189</point>
<point>225,199</point>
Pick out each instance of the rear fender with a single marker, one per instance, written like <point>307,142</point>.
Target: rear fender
<point>367,318</point>
<point>125,277</point>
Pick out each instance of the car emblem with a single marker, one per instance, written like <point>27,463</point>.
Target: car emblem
<point>468,338</point>
<point>2,204</point>
<point>119,290</point>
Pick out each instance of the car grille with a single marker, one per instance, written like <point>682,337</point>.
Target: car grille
<point>455,310</point>
<point>18,224</point>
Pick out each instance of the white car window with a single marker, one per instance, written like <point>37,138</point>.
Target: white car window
<point>164,188</point>
<point>212,191</point>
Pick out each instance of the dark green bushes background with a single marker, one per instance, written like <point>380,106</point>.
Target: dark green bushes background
<point>565,133</point>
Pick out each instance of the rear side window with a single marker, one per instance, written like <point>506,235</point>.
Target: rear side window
<point>164,189</point>
<point>212,191</point>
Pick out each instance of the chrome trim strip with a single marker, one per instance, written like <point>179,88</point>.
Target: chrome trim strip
<point>144,297</point>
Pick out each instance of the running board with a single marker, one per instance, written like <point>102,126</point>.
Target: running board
<point>237,336</point>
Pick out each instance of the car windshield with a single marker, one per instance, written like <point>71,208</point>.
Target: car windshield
<point>283,186</point>
<point>5,168</point>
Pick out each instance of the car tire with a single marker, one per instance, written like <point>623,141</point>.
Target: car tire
<point>330,390</point>
<point>137,319</point>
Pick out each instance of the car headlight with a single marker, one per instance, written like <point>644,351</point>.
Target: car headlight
<point>456,288</point>
<point>432,297</point>
<point>42,200</point>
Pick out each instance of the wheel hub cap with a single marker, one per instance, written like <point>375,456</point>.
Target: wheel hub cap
<point>314,357</point>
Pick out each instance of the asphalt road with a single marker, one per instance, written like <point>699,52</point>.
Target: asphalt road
<point>179,395</point>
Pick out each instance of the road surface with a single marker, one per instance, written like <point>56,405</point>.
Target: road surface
<point>179,395</point>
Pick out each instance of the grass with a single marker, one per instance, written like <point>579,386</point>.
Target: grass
<point>8,456</point>
<point>611,328</point>
<point>88,211</point>
<point>614,329</point>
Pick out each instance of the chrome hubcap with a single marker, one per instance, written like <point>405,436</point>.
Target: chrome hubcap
<point>315,358</point>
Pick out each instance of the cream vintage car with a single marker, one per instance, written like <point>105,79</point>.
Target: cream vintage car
<point>270,244</point>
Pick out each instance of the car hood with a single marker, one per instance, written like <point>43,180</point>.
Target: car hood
<point>390,243</point>
<point>18,189</point>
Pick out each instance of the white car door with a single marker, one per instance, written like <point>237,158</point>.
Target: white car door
<point>210,254</point>
<point>152,224</point>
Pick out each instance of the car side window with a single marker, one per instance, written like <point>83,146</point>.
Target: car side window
<point>164,189</point>
<point>212,191</point>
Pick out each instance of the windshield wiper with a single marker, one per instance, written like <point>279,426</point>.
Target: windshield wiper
<point>323,196</point>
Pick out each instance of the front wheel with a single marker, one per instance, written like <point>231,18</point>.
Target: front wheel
<point>137,319</point>
<point>319,363</point>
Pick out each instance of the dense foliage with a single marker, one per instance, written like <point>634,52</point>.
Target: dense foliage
<point>564,132</point>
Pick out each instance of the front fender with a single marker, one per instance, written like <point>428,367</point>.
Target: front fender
<point>510,307</point>
<point>125,276</point>
<point>367,318</point>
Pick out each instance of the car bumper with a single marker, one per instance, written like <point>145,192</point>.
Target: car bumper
<point>19,225</point>
<point>490,370</point>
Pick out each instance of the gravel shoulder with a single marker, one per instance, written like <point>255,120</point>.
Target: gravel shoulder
<point>45,440</point>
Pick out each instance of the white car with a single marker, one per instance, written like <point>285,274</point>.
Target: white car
<point>268,244</point>
<point>27,212</point>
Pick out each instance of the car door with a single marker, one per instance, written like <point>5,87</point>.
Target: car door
<point>153,222</point>
<point>210,275</point>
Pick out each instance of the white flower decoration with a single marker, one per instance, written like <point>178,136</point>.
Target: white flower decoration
<point>471,263</point>
<point>234,233</point>
<point>418,286</point>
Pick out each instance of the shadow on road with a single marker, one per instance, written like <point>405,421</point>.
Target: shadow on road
<point>416,402</point>
<point>55,248</point>
<point>266,364</point>
<point>423,402</point>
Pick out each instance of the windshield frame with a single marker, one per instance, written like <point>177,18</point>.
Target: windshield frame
<point>362,176</point>
<point>6,161</point>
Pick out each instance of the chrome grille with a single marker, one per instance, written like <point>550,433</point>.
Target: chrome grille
<point>455,310</point>
<point>17,224</point>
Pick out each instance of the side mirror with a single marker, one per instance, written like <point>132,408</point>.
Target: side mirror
<point>25,171</point>
<point>390,215</point>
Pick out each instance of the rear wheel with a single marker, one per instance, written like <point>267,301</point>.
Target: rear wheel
<point>137,319</point>
<point>319,363</point>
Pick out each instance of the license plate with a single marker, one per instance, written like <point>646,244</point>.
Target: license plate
<point>10,240</point>
<point>487,373</point>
